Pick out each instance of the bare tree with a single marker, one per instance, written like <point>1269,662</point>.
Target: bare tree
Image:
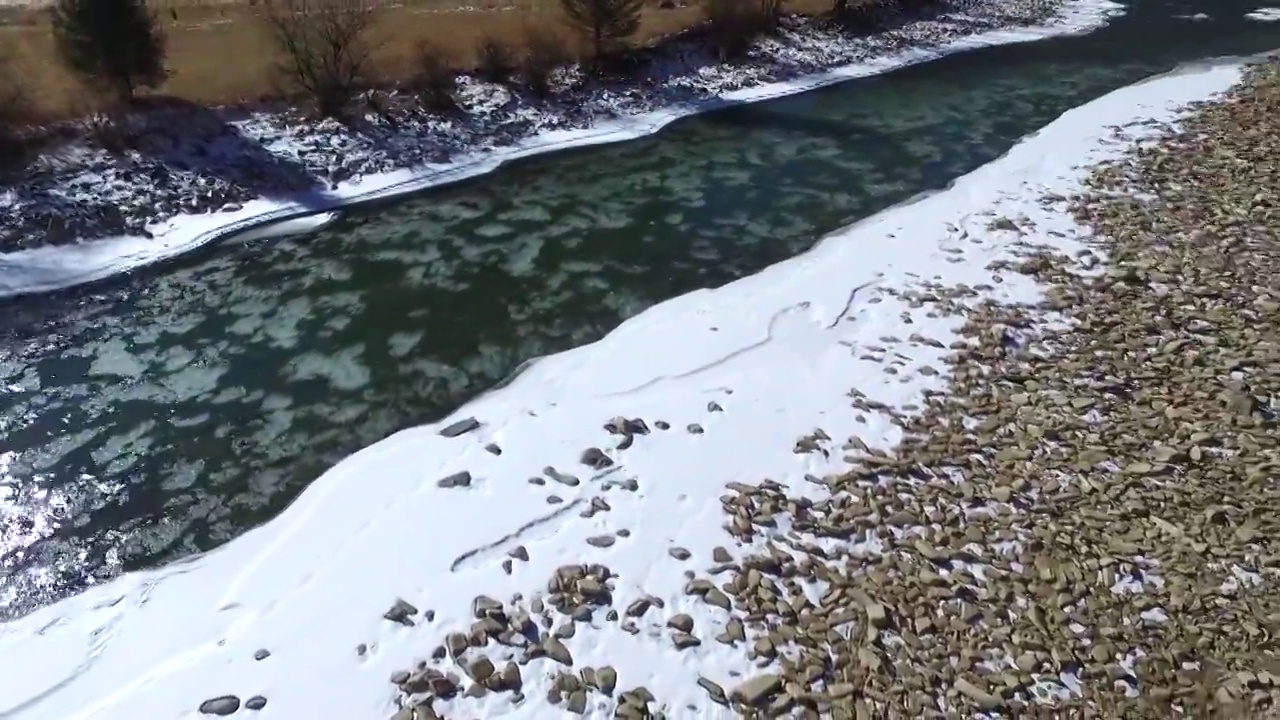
<point>436,80</point>
<point>325,48</point>
<point>495,60</point>
<point>606,24</point>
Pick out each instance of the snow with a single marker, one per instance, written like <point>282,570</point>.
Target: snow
<point>1264,14</point>
<point>778,352</point>
<point>51,268</point>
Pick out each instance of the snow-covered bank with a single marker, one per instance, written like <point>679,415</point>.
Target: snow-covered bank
<point>808,60</point>
<point>1264,14</point>
<point>739,374</point>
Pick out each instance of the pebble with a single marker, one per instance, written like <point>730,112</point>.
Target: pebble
<point>460,427</point>
<point>223,705</point>
<point>458,479</point>
<point>595,458</point>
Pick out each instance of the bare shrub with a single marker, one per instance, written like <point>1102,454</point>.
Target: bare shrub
<point>606,25</point>
<point>861,15</point>
<point>325,48</point>
<point>732,25</point>
<point>104,129</point>
<point>543,53</point>
<point>495,61</point>
<point>16,109</point>
<point>771,14</point>
<point>436,80</point>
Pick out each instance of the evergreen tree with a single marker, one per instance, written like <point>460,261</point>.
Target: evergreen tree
<point>605,23</point>
<point>115,46</point>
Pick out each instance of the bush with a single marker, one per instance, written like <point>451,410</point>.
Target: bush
<point>863,15</point>
<point>114,46</point>
<point>771,14</point>
<point>494,60</point>
<point>15,109</point>
<point>436,80</point>
<point>734,24</point>
<point>325,48</point>
<point>543,54</point>
<point>605,24</point>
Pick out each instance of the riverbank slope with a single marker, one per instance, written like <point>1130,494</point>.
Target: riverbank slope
<point>92,215</point>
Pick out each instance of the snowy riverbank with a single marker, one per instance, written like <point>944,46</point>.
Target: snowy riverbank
<point>757,385</point>
<point>264,169</point>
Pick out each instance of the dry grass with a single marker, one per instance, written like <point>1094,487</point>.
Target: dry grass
<point>220,52</point>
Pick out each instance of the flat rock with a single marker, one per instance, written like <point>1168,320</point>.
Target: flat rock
<point>223,705</point>
<point>458,479</point>
<point>460,427</point>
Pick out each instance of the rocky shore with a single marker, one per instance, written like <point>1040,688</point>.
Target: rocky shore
<point>1083,520</point>
<point>222,158</point>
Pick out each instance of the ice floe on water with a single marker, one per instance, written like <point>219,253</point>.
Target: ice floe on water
<point>303,611</point>
<point>1265,14</point>
<point>49,268</point>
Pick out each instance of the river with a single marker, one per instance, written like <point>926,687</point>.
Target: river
<point>162,414</point>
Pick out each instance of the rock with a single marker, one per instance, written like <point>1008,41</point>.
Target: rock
<point>556,650</point>
<point>681,622</point>
<point>257,702</point>
<point>602,541</point>
<point>562,478</point>
<point>480,669</point>
<point>456,480</point>
<point>717,598</point>
<point>460,427</point>
<point>400,612</point>
<point>695,429</point>
<point>577,703</point>
<point>982,698</point>
<point>261,654</point>
<point>638,607</point>
<point>606,679</point>
<point>684,641</point>
<point>714,691</point>
<point>511,678</point>
<point>757,690</point>
<point>223,705</point>
<point>595,458</point>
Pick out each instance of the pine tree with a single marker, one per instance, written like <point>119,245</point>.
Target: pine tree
<point>605,23</point>
<point>115,46</point>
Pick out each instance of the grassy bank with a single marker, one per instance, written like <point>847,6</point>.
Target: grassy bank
<point>224,54</point>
